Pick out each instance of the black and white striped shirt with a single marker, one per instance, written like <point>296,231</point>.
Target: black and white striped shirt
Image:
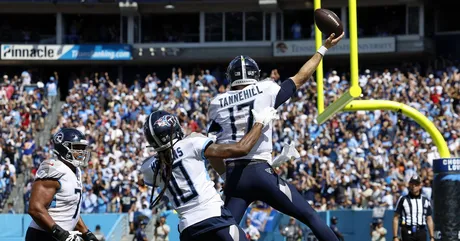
<point>413,210</point>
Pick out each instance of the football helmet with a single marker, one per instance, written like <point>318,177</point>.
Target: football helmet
<point>70,145</point>
<point>161,128</point>
<point>243,70</point>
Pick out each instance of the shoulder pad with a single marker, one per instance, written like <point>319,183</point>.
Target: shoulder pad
<point>148,170</point>
<point>267,83</point>
<point>196,134</point>
<point>215,100</point>
<point>49,169</point>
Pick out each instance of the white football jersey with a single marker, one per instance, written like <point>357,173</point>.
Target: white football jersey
<point>231,111</point>
<point>190,190</point>
<point>65,207</point>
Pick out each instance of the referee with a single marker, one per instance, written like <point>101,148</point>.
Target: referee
<point>413,211</point>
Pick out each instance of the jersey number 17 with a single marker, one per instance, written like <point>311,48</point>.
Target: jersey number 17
<point>238,110</point>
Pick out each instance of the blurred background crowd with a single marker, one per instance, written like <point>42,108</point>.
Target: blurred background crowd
<point>357,160</point>
<point>22,114</point>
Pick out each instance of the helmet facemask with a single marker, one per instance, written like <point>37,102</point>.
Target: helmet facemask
<point>77,153</point>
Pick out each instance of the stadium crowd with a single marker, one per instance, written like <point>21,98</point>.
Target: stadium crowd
<point>357,160</point>
<point>23,109</point>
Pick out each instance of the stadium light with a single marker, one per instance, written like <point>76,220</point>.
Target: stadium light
<point>169,6</point>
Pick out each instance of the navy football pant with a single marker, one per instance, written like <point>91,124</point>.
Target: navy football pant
<point>229,233</point>
<point>223,228</point>
<point>258,181</point>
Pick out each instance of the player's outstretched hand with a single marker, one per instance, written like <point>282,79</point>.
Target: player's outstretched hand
<point>265,116</point>
<point>331,41</point>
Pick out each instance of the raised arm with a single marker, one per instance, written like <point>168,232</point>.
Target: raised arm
<point>244,146</point>
<point>288,87</point>
<point>310,66</point>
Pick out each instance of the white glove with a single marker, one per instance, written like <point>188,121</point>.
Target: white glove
<point>266,116</point>
<point>74,236</point>
<point>287,153</point>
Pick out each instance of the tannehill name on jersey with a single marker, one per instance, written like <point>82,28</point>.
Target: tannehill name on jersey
<point>243,95</point>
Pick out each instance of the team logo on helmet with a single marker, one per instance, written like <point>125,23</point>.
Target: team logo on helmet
<point>59,137</point>
<point>165,120</point>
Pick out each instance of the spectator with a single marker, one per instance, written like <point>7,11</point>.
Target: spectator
<point>11,208</point>
<point>140,232</point>
<point>51,90</point>
<point>335,229</point>
<point>296,30</point>
<point>28,149</point>
<point>251,232</point>
<point>161,230</point>
<point>378,232</point>
<point>98,233</point>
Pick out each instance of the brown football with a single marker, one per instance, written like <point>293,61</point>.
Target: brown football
<point>328,22</point>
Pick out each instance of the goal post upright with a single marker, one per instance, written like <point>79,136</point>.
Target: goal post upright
<point>346,102</point>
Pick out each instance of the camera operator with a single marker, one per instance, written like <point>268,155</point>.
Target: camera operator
<point>292,231</point>
<point>335,229</point>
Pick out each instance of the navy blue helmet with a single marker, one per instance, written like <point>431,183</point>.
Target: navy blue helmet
<point>161,128</point>
<point>243,70</point>
<point>70,145</point>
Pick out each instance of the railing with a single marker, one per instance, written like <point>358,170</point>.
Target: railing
<point>120,229</point>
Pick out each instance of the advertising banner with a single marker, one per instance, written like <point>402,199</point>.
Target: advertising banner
<point>307,47</point>
<point>263,218</point>
<point>65,52</point>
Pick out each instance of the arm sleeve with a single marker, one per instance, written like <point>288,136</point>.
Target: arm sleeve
<point>286,91</point>
<point>148,170</point>
<point>213,126</point>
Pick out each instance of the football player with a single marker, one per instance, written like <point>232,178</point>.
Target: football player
<point>56,192</point>
<point>179,169</point>
<point>252,177</point>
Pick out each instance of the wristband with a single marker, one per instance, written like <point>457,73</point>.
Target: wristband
<point>322,50</point>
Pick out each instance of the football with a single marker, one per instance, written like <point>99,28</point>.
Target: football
<point>328,22</point>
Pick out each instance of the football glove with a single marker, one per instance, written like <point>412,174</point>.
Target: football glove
<point>89,236</point>
<point>62,235</point>
<point>287,153</point>
<point>265,116</point>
